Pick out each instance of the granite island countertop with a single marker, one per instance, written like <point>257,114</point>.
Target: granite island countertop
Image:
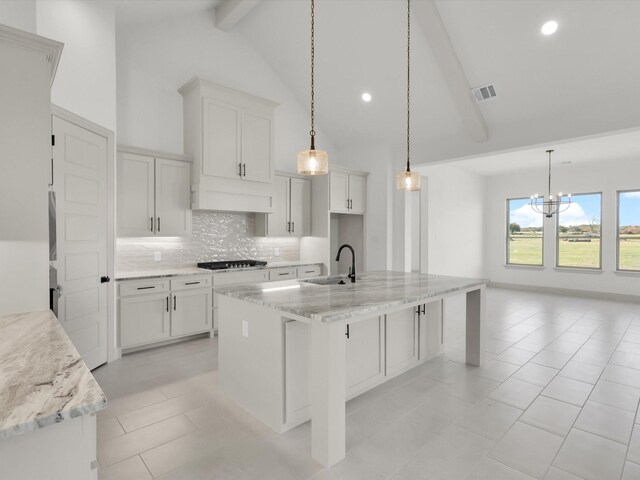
<point>373,292</point>
<point>43,379</point>
<point>193,270</point>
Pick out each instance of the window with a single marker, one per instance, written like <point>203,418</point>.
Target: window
<point>524,233</point>
<point>629,231</point>
<point>579,233</point>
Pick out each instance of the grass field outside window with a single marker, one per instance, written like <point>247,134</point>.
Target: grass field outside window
<point>525,234</point>
<point>578,230</point>
<point>628,232</point>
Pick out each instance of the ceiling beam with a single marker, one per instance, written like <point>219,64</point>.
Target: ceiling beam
<point>429,19</point>
<point>230,12</point>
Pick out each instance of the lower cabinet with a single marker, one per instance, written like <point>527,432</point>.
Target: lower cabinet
<point>430,329</point>
<point>401,340</point>
<point>191,312</point>
<point>365,354</point>
<point>144,319</point>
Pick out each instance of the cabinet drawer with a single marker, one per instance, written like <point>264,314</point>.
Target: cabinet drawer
<point>139,287</point>
<point>186,283</point>
<point>282,273</point>
<point>309,271</point>
<point>238,278</point>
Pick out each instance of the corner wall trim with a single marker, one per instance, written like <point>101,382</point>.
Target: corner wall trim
<point>619,297</point>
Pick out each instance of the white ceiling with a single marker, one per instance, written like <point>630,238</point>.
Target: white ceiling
<point>581,81</point>
<point>620,147</point>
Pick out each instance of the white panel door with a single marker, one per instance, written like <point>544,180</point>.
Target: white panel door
<point>221,140</point>
<point>365,355</point>
<point>357,193</point>
<point>278,221</point>
<point>401,340</point>
<point>338,191</point>
<point>80,183</point>
<point>173,198</point>
<point>256,148</point>
<point>144,319</point>
<point>191,312</point>
<point>300,207</point>
<point>135,195</point>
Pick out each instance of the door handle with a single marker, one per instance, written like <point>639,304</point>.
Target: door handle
<point>350,204</point>
<point>424,308</point>
<point>289,227</point>
<point>244,169</point>
<point>174,303</point>
<point>167,303</point>
<point>418,311</point>
<point>158,223</point>
<point>293,227</point>
<point>240,169</point>
<point>347,332</point>
<point>105,279</point>
<point>151,223</point>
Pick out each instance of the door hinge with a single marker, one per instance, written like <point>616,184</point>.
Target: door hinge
<point>53,140</point>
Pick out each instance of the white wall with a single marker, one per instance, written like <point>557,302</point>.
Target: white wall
<point>606,177</point>
<point>455,221</point>
<point>155,59</point>
<point>85,81</point>
<point>19,14</point>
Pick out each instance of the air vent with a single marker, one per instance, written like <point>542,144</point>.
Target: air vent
<point>485,92</point>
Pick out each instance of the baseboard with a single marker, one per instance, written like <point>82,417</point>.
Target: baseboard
<point>618,297</point>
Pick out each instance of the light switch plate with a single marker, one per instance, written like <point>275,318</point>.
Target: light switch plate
<point>245,328</point>
<point>157,256</point>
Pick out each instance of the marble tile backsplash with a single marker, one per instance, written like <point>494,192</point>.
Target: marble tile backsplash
<point>216,236</point>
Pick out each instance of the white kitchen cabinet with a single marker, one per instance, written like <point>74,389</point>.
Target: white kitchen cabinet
<point>144,319</point>
<point>291,214</point>
<point>365,354</point>
<point>230,135</point>
<point>401,341</point>
<point>347,192</point>
<point>154,194</point>
<point>430,328</point>
<point>191,312</point>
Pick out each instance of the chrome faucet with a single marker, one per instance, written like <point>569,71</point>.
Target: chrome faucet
<point>352,269</point>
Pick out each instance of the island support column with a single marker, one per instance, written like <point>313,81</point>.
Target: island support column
<point>328,392</point>
<point>475,326</point>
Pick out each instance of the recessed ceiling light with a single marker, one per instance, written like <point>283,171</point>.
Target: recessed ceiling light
<point>366,97</point>
<point>549,28</point>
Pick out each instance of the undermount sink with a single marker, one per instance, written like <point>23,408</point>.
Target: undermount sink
<point>329,281</point>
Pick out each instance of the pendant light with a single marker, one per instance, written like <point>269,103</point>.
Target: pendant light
<point>312,161</point>
<point>551,205</point>
<point>408,180</point>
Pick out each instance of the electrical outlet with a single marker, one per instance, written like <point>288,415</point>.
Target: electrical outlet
<point>276,251</point>
<point>157,256</point>
<point>245,328</point>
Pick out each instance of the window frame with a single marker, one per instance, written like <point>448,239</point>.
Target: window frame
<point>508,235</point>
<point>618,195</point>
<point>573,267</point>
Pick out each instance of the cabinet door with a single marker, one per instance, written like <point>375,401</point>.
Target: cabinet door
<point>357,193</point>
<point>135,195</point>
<point>173,198</point>
<point>300,207</point>
<point>278,221</point>
<point>256,148</point>
<point>144,319</point>
<point>365,350</point>
<point>297,367</point>
<point>338,191</point>
<point>431,330</point>
<point>221,140</point>
<point>401,341</point>
<point>191,312</point>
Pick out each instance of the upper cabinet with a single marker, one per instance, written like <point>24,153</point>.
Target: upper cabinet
<point>347,192</point>
<point>154,194</point>
<point>230,135</point>
<point>291,214</point>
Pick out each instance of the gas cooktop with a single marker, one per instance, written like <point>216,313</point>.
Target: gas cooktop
<point>231,264</point>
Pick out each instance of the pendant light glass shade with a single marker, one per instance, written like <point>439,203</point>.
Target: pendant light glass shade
<point>408,181</point>
<point>312,161</point>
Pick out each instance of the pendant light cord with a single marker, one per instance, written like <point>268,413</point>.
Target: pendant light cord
<point>408,82</point>
<point>549,152</point>
<point>313,54</point>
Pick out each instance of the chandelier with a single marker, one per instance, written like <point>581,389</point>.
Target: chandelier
<point>312,161</point>
<point>551,205</point>
<point>407,180</point>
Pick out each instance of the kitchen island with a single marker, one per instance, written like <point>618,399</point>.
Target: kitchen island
<point>290,346</point>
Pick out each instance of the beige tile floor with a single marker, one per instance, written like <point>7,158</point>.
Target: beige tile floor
<point>557,399</point>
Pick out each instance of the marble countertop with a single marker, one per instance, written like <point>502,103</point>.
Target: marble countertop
<point>373,292</point>
<point>192,270</point>
<point>43,379</point>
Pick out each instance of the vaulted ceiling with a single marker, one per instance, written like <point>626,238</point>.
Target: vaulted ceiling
<point>581,81</point>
